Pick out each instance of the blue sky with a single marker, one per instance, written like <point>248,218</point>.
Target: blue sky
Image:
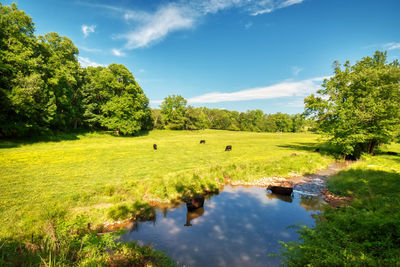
<point>233,54</point>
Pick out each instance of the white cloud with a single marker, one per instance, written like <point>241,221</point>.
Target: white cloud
<point>87,29</point>
<point>91,50</point>
<point>117,52</point>
<point>248,25</point>
<point>151,27</point>
<point>86,62</point>
<point>156,26</point>
<point>296,70</point>
<point>392,46</point>
<point>283,89</point>
<point>299,103</point>
<point>289,3</point>
<point>268,6</point>
<point>262,11</point>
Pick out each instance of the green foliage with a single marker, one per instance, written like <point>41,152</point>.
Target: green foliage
<point>195,119</point>
<point>109,190</point>
<point>360,105</point>
<point>73,244</point>
<point>157,119</point>
<point>173,109</point>
<point>113,100</point>
<point>175,115</point>
<point>366,233</point>
<point>43,89</point>
<point>119,212</point>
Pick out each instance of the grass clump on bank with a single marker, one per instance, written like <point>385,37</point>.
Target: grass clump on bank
<point>99,176</point>
<point>74,244</point>
<point>367,232</point>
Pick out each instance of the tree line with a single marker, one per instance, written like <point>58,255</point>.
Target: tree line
<point>176,115</point>
<point>43,89</point>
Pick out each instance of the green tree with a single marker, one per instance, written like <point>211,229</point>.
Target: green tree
<point>157,118</point>
<point>251,120</point>
<point>114,100</point>
<point>268,124</point>
<point>27,106</point>
<point>282,121</point>
<point>359,107</point>
<point>173,109</point>
<point>298,123</point>
<point>63,78</point>
<point>195,119</point>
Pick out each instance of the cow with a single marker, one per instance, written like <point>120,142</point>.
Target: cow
<point>228,148</point>
<point>202,141</point>
<point>293,154</point>
<point>155,146</point>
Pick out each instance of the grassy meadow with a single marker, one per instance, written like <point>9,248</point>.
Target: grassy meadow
<point>367,232</point>
<point>99,175</point>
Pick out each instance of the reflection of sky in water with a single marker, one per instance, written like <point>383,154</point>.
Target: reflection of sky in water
<point>240,226</point>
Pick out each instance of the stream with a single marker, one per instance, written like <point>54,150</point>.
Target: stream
<point>240,226</point>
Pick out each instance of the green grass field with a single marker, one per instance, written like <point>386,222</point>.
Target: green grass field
<point>366,233</point>
<point>97,174</point>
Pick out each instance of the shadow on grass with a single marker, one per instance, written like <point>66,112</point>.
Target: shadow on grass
<point>17,142</point>
<point>17,253</point>
<point>322,148</point>
<point>58,137</point>
<point>365,183</point>
<point>138,134</point>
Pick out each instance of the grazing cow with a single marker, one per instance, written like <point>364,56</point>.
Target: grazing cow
<point>294,154</point>
<point>228,148</point>
<point>155,146</point>
<point>202,141</point>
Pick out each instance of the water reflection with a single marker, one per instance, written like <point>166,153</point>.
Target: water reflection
<point>280,197</point>
<point>311,203</point>
<point>240,226</point>
<point>191,215</point>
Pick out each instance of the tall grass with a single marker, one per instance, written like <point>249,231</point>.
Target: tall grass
<point>366,233</point>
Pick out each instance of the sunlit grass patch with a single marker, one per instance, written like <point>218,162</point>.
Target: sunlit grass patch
<point>367,232</point>
<point>85,171</point>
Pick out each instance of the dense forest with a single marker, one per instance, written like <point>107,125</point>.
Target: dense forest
<point>174,114</point>
<point>44,89</point>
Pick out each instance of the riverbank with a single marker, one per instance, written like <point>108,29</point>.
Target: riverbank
<point>97,178</point>
<point>365,232</point>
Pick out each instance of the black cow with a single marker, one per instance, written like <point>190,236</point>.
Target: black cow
<point>202,141</point>
<point>228,148</point>
<point>155,146</point>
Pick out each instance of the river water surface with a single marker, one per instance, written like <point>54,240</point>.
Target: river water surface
<point>240,226</point>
